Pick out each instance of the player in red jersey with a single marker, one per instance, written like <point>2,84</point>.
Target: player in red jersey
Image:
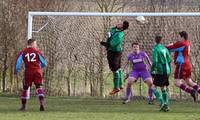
<point>183,67</point>
<point>34,61</point>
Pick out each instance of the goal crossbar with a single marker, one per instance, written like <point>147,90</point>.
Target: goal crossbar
<point>133,14</point>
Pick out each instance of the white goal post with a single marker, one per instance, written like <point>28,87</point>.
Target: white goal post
<point>134,14</point>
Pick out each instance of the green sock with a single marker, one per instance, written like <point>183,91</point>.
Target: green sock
<point>158,96</point>
<point>165,96</point>
<point>120,77</point>
<point>116,79</point>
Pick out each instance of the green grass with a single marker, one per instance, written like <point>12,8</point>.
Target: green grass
<point>61,108</point>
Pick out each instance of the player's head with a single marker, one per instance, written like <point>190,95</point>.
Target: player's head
<point>183,35</point>
<point>158,39</point>
<point>32,43</point>
<point>122,25</point>
<point>135,47</point>
<point>125,25</point>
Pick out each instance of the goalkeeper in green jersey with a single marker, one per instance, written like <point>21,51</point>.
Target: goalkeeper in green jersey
<point>160,71</point>
<point>114,53</point>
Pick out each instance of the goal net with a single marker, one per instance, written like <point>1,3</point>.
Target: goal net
<point>77,64</point>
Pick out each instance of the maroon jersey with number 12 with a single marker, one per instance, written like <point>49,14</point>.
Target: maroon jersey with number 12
<point>34,61</point>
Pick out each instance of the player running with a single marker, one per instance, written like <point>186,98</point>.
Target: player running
<point>114,53</point>
<point>137,59</point>
<point>33,61</point>
<point>160,71</point>
<point>183,70</point>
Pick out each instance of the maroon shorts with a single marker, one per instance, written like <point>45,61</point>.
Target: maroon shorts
<point>33,77</point>
<point>182,72</point>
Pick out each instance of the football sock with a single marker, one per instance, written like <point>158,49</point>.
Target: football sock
<point>150,94</point>
<point>23,101</point>
<point>116,79</point>
<point>165,96</point>
<point>120,77</point>
<point>128,92</point>
<point>24,96</point>
<point>197,88</point>
<point>40,94</point>
<point>158,96</point>
<point>185,88</point>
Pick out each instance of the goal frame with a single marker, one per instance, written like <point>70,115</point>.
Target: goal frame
<point>116,14</point>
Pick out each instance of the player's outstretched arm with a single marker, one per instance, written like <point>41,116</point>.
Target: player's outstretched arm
<point>175,47</point>
<point>18,62</point>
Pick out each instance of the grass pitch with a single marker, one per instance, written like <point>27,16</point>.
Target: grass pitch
<point>61,108</point>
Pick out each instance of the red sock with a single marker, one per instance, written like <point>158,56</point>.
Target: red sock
<point>41,100</point>
<point>40,94</point>
<point>23,101</point>
<point>197,88</point>
<point>185,88</point>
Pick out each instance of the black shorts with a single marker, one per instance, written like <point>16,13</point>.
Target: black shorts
<point>114,60</point>
<point>160,80</point>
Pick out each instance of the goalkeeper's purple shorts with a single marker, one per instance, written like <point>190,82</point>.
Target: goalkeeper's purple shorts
<point>144,74</point>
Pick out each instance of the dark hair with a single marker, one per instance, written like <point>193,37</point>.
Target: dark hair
<point>30,41</point>
<point>134,43</point>
<point>158,39</point>
<point>183,34</point>
<point>125,25</point>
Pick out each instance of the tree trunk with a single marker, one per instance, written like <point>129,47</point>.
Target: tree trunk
<point>4,72</point>
<point>85,79</point>
<point>74,86</point>
<point>11,76</point>
<point>101,67</point>
<point>68,87</point>
<point>69,82</point>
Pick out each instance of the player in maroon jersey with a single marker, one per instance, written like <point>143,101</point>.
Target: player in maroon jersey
<point>183,69</point>
<point>34,61</point>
